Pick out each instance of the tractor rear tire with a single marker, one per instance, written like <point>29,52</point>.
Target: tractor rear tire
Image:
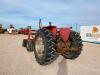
<point>29,45</point>
<point>76,42</point>
<point>48,51</point>
<point>71,54</point>
<point>24,42</point>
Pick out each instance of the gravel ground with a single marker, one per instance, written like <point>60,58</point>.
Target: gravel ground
<point>15,60</point>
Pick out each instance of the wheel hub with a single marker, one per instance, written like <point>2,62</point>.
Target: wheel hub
<point>39,46</point>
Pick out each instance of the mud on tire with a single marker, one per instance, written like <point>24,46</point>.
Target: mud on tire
<point>76,42</point>
<point>49,53</point>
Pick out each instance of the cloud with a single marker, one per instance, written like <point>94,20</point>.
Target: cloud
<point>60,12</point>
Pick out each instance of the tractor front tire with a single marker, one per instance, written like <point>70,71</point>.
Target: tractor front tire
<point>24,42</point>
<point>76,42</point>
<point>45,47</point>
<point>29,45</point>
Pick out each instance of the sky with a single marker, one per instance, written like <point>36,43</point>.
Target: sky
<point>60,12</point>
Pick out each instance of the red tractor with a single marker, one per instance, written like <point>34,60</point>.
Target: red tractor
<point>26,31</point>
<point>50,41</point>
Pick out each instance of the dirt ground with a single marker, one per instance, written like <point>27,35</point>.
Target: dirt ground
<point>15,60</point>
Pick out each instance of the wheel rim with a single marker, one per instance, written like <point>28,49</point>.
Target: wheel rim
<point>39,46</point>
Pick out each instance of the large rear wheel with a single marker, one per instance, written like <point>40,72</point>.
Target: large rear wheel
<point>45,47</point>
<point>76,42</point>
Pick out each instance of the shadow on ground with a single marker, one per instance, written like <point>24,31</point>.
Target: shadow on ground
<point>62,68</point>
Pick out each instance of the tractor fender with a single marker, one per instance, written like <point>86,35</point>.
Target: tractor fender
<point>64,33</point>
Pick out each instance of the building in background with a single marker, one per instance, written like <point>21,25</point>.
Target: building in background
<point>90,33</point>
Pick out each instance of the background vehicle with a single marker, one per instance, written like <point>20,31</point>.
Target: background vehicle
<point>25,31</point>
<point>50,41</point>
<point>2,30</point>
<point>11,30</point>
